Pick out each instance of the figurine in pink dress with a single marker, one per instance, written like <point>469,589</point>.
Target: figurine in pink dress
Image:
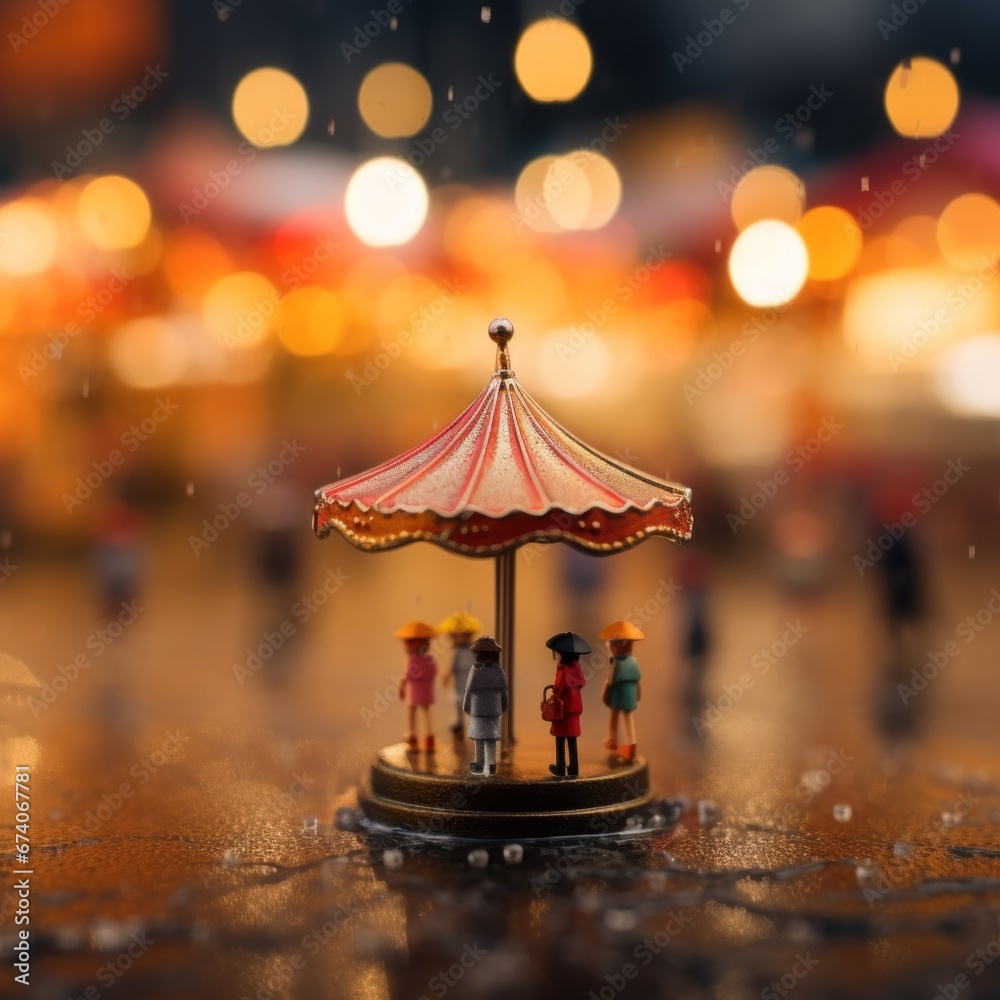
<point>416,687</point>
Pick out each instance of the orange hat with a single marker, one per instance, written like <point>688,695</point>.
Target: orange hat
<point>416,630</point>
<point>621,630</point>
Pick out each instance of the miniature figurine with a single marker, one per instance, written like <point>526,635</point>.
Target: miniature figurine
<point>567,647</point>
<point>461,627</point>
<point>417,684</point>
<point>485,700</point>
<point>622,689</point>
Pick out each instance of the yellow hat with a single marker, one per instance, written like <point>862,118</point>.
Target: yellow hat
<point>416,630</point>
<point>461,621</point>
<point>621,630</point>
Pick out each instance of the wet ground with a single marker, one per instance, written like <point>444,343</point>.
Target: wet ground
<point>811,839</point>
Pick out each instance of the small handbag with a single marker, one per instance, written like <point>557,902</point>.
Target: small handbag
<point>552,706</point>
<point>609,684</point>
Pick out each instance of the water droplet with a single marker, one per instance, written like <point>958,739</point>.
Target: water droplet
<point>972,552</point>
<point>189,489</point>
<point>346,818</point>
<point>619,920</point>
<point>866,870</point>
<point>310,827</point>
<point>864,183</point>
<point>230,857</point>
<point>451,93</point>
<point>393,23</point>
<point>485,14</point>
<point>901,849</point>
<point>842,812</point>
<point>331,127</point>
<point>513,854</point>
<point>657,821</point>
<point>478,858</point>
<point>393,858</point>
<point>708,812</point>
<point>950,819</point>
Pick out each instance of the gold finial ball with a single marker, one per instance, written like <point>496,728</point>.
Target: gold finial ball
<point>501,330</point>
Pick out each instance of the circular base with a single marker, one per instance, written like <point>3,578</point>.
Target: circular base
<point>436,793</point>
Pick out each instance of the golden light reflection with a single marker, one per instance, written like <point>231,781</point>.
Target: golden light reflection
<point>270,107</point>
<point>898,320</point>
<point>148,353</point>
<point>767,192</point>
<point>921,98</point>
<point>768,263</point>
<point>572,362</point>
<point>479,231</point>
<point>240,309</point>
<point>30,237</point>
<point>395,100</point>
<point>114,212</point>
<point>605,188</point>
<point>386,202</point>
<point>193,261</point>
<point>967,379</point>
<point>311,321</point>
<point>913,243</point>
<point>833,240</point>
<point>968,231</point>
<point>553,60</point>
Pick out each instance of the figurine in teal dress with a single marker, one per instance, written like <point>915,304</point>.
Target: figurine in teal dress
<point>623,688</point>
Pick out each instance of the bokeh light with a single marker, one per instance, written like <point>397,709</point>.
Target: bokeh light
<point>572,363</point>
<point>395,100</point>
<point>767,192</point>
<point>833,240</point>
<point>968,377</point>
<point>968,231</point>
<point>386,202</point>
<point>311,320</point>
<point>114,212</point>
<point>768,263</point>
<point>30,237</point>
<point>148,353</point>
<point>921,98</point>
<point>913,243</point>
<point>270,107</point>
<point>553,60</point>
<point>240,309</point>
<point>193,261</point>
<point>604,187</point>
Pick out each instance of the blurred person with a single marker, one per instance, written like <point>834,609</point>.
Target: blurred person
<point>695,635</point>
<point>117,555</point>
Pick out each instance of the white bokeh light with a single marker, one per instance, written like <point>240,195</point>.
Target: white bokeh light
<point>968,377</point>
<point>768,263</point>
<point>386,202</point>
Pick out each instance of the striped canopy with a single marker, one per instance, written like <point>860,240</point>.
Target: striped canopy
<point>501,474</point>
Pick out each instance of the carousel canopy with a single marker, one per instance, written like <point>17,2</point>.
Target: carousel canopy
<point>500,474</point>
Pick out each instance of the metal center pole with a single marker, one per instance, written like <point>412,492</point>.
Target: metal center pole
<point>504,605</point>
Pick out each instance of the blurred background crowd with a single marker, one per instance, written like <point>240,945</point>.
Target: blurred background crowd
<point>247,247</point>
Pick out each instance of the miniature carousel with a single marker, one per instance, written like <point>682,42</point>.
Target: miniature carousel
<point>503,474</point>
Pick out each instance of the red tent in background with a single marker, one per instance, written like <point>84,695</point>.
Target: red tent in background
<point>502,474</point>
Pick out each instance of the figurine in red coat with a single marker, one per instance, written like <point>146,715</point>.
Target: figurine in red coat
<point>567,648</point>
<point>416,686</point>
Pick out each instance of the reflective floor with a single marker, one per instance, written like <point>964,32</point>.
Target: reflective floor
<point>839,817</point>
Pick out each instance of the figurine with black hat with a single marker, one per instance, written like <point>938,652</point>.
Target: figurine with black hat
<point>485,701</point>
<point>567,648</point>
